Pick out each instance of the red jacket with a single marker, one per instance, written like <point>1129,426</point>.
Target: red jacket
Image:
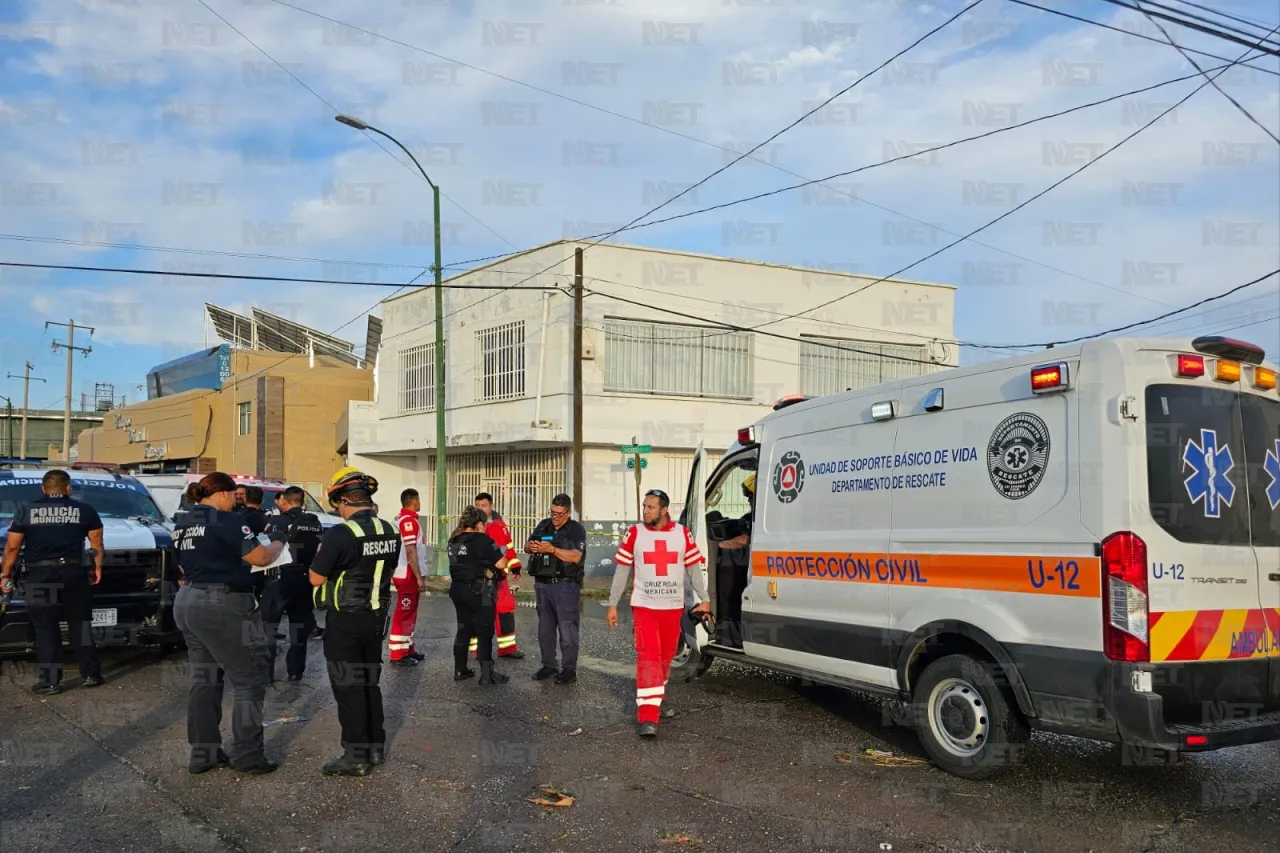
<point>497,530</point>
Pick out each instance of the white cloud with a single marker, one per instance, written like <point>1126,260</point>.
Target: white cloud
<point>184,112</point>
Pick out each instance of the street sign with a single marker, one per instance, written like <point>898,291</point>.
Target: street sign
<point>631,463</point>
<point>632,449</point>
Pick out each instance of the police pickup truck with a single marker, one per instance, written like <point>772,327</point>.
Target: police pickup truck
<point>133,603</point>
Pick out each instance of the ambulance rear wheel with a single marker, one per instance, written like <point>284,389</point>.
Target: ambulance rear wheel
<point>967,724</point>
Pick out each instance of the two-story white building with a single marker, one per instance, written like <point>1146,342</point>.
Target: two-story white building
<point>657,369</point>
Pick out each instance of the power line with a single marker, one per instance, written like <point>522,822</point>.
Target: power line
<point>247,255</point>
<point>322,100</point>
<point>1202,19</point>
<point>1143,36</point>
<point>1129,326</point>
<point>1018,207</point>
<point>1220,13</point>
<point>793,124</point>
<point>1197,67</point>
<point>1200,28</point>
<point>134,271</point>
<point>685,136</point>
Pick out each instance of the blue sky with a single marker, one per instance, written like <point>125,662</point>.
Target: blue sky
<point>152,122</point>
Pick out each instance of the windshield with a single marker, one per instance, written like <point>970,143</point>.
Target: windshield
<point>110,498</point>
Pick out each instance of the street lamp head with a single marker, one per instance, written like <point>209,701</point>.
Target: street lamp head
<point>352,122</point>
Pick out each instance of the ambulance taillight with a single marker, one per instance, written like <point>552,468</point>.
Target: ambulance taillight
<point>1049,377</point>
<point>1125,599</point>
<point>1191,365</point>
<point>746,435</point>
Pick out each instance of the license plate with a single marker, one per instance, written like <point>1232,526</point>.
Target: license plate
<point>104,617</point>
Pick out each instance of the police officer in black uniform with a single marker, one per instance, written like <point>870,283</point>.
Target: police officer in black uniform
<point>217,611</point>
<point>50,532</point>
<point>476,567</point>
<point>288,589</point>
<point>352,571</point>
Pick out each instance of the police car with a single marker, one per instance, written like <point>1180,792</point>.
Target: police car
<point>1083,541</point>
<point>133,603</point>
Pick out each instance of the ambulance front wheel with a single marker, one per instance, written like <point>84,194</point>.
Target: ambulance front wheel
<point>689,663</point>
<point>968,725</point>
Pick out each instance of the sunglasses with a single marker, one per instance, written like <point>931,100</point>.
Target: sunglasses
<point>657,493</point>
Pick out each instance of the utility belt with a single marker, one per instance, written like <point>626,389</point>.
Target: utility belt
<point>24,568</point>
<point>223,587</point>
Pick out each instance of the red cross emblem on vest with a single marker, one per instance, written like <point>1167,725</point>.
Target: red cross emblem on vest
<point>661,559</point>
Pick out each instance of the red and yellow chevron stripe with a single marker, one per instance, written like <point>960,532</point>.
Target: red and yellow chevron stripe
<point>1188,635</point>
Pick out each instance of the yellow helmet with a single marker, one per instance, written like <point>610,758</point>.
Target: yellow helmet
<point>349,479</point>
<point>749,484</point>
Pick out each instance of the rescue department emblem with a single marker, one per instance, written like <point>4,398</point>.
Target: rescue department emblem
<point>788,477</point>
<point>1018,455</point>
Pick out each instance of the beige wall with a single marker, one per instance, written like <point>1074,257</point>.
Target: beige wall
<point>205,424</point>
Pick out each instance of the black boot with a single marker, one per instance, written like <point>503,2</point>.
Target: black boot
<point>488,676</point>
<point>460,670</point>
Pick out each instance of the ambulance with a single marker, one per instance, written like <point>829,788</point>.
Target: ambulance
<point>1084,540</point>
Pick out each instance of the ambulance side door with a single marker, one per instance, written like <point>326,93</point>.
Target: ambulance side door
<point>822,522</point>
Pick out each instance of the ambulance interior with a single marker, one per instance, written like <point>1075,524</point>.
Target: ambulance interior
<point>729,508</point>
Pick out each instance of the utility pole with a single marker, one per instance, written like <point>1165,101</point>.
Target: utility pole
<point>577,381</point>
<point>8,425</point>
<point>71,348</point>
<point>26,403</point>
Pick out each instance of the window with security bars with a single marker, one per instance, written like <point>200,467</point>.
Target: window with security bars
<point>683,361</point>
<point>417,379</point>
<point>522,483</point>
<point>834,365</point>
<point>500,353</point>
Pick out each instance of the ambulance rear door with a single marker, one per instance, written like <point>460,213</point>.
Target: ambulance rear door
<point>1205,597</point>
<point>1260,409</point>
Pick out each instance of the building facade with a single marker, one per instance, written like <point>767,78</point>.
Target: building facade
<point>44,431</point>
<point>659,368</point>
<point>255,413</point>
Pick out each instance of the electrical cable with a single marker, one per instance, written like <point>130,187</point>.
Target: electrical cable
<point>1143,36</point>
<point>1225,36</point>
<point>1218,24</point>
<point>246,255</point>
<point>1197,67</point>
<point>373,138</point>
<point>685,136</point>
<point>1220,13</point>
<point>870,166</point>
<point>1023,204</point>
<point>231,276</point>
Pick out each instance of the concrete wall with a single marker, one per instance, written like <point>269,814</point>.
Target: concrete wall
<point>740,293</point>
<point>205,424</point>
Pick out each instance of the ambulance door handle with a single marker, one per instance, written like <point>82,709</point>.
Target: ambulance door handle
<point>1274,576</point>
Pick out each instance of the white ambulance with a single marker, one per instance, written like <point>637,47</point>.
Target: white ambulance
<point>1085,540</point>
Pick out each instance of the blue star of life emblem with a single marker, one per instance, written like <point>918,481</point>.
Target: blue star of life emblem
<point>1209,481</point>
<point>1272,466</point>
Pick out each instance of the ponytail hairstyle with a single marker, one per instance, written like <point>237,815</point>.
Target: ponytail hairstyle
<point>469,519</point>
<point>208,486</point>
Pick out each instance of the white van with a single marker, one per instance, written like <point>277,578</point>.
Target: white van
<point>271,489</point>
<point>1085,540</point>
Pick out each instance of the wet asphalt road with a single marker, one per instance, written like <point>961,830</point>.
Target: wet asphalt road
<point>749,763</point>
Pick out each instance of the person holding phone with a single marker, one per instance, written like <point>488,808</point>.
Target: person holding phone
<point>558,551</point>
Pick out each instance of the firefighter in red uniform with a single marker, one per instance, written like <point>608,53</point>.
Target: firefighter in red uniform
<point>497,530</point>
<point>664,557</point>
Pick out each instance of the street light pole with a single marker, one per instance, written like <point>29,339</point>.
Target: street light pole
<point>26,403</point>
<point>439,563</point>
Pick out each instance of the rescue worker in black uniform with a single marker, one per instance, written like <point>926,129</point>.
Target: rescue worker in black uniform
<point>50,532</point>
<point>352,572</point>
<point>733,568</point>
<point>217,611</point>
<point>288,589</point>
<point>476,567</point>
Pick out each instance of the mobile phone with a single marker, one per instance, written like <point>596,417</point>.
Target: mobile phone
<point>548,538</point>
